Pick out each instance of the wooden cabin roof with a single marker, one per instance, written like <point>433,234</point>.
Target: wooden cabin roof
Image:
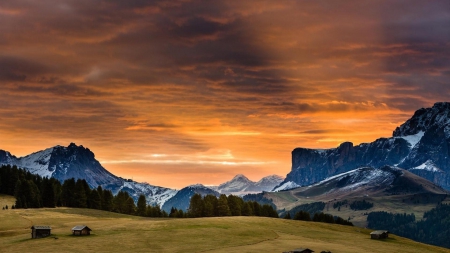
<point>81,227</point>
<point>41,227</point>
<point>379,232</point>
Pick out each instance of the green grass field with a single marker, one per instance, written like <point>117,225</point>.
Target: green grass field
<point>121,233</point>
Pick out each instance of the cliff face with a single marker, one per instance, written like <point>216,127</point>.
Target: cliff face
<point>420,145</point>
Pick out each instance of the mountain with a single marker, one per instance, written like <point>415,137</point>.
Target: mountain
<point>79,162</point>
<point>182,198</point>
<point>388,188</point>
<point>368,181</point>
<point>421,145</point>
<point>241,185</point>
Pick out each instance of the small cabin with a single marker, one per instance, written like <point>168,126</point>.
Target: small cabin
<point>300,250</point>
<point>81,230</point>
<point>40,231</point>
<point>379,234</point>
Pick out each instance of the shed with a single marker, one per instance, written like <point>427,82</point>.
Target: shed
<point>40,231</point>
<point>81,230</point>
<point>299,250</point>
<point>379,234</point>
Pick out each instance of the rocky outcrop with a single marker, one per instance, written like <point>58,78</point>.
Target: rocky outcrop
<point>425,138</point>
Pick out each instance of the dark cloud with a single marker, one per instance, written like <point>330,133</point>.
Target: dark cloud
<point>141,76</point>
<point>18,69</point>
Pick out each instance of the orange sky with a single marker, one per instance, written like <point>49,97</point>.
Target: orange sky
<point>183,92</point>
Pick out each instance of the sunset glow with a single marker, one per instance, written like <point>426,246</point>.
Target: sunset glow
<point>181,92</point>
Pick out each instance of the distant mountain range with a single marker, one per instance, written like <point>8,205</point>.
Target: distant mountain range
<point>421,145</point>
<point>241,185</point>
<point>79,162</point>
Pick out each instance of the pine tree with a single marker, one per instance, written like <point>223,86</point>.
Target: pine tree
<point>234,203</point>
<point>80,194</point>
<point>130,207</point>
<point>141,206</point>
<point>48,193</point>
<point>196,206</point>
<point>107,200</point>
<point>247,209</point>
<point>67,193</point>
<point>222,206</point>
<point>210,206</point>
<point>94,200</point>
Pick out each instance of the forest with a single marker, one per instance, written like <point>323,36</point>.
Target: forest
<point>434,228</point>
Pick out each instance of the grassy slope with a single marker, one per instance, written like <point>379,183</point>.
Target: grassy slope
<point>392,204</point>
<point>121,233</point>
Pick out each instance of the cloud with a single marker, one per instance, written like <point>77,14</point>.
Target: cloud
<point>132,78</point>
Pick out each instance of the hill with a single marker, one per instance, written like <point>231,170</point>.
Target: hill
<point>388,188</point>
<point>420,145</point>
<point>121,233</point>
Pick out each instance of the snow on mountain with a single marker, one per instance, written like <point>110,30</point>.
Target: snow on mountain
<point>237,184</point>
<point>182,198</point>
<point>37,163</point>
<point>154,195</point>
<point>354,179</point>
<point>424,137</point>
<point>286,186</point>
<point>428,166</point>
<point>241,185</point>
<point>79,162</point>
<point>413,139</point>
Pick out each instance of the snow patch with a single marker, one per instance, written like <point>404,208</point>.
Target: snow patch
<point>413,139</point>
<point>286,186</point>
<point>428,166</point>
<point>37,163</point>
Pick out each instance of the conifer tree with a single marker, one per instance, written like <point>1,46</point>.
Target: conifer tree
<point>234,203</point>
<point>80,196</point>
<point>94,201</point>
<point>222,206</point>
<point>141,206</point>
<point>247,209</point>
<point>107,200</point>
<point>196,206</point>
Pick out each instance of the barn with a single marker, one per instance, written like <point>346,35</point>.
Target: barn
<point>300,250</point>
<point>40,231</point>
<point>81,230</point>
<point>379,234</point>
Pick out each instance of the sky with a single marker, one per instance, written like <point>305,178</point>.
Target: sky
<point>180,92</point>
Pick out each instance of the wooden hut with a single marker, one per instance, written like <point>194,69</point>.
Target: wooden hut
<point>379,234</point>
<point>40,231</point>
<point>81,230</point>
<point>300,250</point>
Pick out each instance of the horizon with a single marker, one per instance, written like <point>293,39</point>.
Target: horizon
<point>189,92</point>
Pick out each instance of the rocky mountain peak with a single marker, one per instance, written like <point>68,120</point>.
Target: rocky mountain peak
<point>425,118</point>
<point>240,177</point>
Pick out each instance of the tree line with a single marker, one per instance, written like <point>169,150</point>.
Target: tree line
<point>34,191</point>
<point>212,206</point>
<point>318,217</point>
<point>434,228</point>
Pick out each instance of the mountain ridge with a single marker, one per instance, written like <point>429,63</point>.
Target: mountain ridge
<point>420,142</point>
<point>241,185</point>
<point>79,162</point>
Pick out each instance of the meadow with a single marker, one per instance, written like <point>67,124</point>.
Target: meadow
<point>112,232</point>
